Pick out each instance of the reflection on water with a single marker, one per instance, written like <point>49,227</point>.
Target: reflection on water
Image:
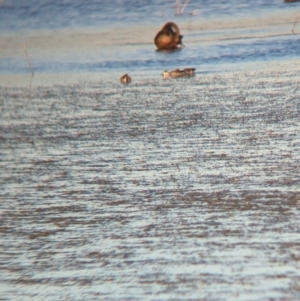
<point>165,190</point>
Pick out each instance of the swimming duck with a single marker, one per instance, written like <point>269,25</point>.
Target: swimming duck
<point>125,79</point>
<point>168,37</point>
<point>187,72</point>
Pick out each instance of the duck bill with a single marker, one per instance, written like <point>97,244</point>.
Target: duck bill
<point>180,41</point>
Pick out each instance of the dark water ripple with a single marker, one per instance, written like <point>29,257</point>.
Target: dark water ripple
<point>55,14</point>
<point>161,190</point>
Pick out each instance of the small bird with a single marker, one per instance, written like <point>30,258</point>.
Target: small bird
<point>168,38</point>
<point>125,79</point>
<point>187,72</point>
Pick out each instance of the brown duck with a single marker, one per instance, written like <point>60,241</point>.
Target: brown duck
<point>187,72</point>
<point>125,79</point>
<point>168,38</point>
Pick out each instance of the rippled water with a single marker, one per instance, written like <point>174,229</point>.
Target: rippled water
<point>182,189</point>
<point>117,36</point>
<point>162,190</point>
<point>56,14</point>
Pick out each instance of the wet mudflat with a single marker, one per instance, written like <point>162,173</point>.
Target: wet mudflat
<point>161,190</point>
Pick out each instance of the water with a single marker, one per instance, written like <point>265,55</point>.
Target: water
<point>75,36</point>
<point>27,15</point>
<point>160,190</point>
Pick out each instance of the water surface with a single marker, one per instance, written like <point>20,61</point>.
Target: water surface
<point>160,190</point>
<point>80,37</point>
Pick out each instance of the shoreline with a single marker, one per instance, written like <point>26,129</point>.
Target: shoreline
<point>50,79</point>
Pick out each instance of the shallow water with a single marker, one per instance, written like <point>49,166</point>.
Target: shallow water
<point>216,39</point>
<point>160,190</point>
<point>55,14</point>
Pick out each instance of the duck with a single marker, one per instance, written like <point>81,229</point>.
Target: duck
<point>168,38</point>
<point>125,79</point>
<point>187,72</point>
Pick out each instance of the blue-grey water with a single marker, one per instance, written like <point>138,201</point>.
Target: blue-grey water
<point>105,36</point>
<point>55,14</point>
<point>183,189</point>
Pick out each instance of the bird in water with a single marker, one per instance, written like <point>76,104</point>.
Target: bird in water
<point>168,38</point>
<point>187,72</point>
<point>125,79</point>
